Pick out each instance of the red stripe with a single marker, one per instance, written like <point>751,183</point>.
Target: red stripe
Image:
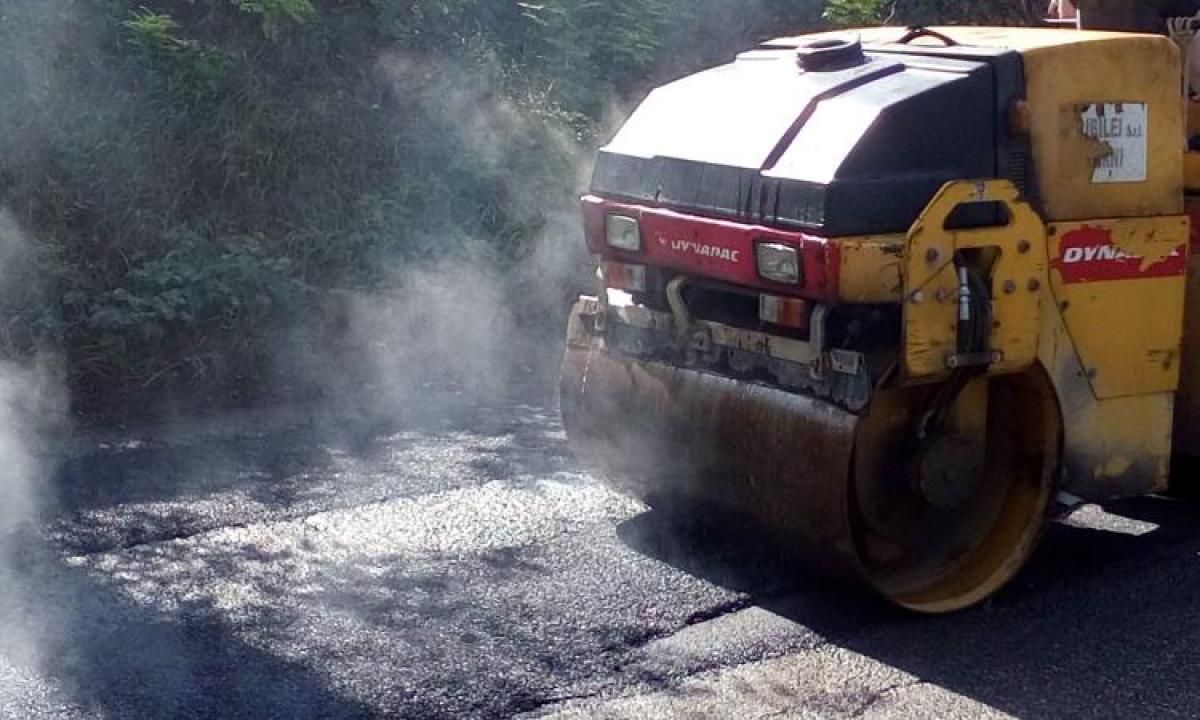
<point>1088,254</point>
<point>717,249</point>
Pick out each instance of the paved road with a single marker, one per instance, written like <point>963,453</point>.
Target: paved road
<point>463,565</point>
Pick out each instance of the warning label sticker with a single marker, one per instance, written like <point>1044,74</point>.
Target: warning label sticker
<point>1121,128</point>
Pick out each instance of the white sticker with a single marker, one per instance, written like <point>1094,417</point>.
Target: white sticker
<point>1122,127</point>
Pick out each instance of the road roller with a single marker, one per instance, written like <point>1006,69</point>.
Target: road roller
<point>896,296</point>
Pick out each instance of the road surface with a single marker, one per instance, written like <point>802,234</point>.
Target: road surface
<point>463,565</point>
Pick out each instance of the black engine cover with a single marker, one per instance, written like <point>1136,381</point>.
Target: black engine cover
<point>855,150</point>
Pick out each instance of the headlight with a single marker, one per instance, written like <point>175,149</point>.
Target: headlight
<point>623,232</point>
<point>778,262</point>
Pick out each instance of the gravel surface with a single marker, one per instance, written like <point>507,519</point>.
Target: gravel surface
<point>465,566</point>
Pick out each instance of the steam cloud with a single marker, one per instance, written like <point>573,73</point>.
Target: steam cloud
<point>463,329</point>
<point>32,416</point>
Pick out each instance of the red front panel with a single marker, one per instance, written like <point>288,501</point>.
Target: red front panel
<point>716,249</point>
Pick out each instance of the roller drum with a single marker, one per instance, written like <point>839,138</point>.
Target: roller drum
<point>661,432</point>
<point>934,522</point>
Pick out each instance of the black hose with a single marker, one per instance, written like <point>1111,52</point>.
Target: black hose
<point>973,335</point>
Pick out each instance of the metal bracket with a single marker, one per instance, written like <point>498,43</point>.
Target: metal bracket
<point>679,308</point>
<point>931,283</point>
<point>975,359</point>
<point>846,362</point>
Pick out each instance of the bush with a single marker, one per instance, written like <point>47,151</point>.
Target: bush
<point>929,12</point>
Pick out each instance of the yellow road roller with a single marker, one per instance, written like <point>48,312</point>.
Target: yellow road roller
<point>891,294</point>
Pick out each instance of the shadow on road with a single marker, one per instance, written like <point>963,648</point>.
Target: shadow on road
<point>146,491</point>
<point>263,624</point>
<point>116,658</point>
<point>1101,624</point>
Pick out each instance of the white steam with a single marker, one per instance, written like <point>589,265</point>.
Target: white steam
<point>466,328</point>
<point>32,413</point>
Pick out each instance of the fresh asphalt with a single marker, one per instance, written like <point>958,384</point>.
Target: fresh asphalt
<point>463,565</point>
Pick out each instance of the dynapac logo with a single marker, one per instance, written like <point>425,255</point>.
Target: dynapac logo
<point>683,246</point>
<point>1100,252</point>
<point>1089,254</point>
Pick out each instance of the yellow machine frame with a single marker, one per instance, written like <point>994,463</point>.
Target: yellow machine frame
<point>1113,347</point>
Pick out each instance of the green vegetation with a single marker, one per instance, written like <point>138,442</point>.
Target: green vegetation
<point>192,177</point>
<point>928,12</point>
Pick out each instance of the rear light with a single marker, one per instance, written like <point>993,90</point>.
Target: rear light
<point>778,262</point>
<point>788,312</point>
<point>624,277</point>
<point>623,233</point>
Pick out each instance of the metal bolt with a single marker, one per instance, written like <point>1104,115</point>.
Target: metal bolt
<point>1034,284</point>
<point>932,255</point>
<point>918,297</point>
<point>943,294</point>
<point>1010,287</point>
<point>1023,247</point>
